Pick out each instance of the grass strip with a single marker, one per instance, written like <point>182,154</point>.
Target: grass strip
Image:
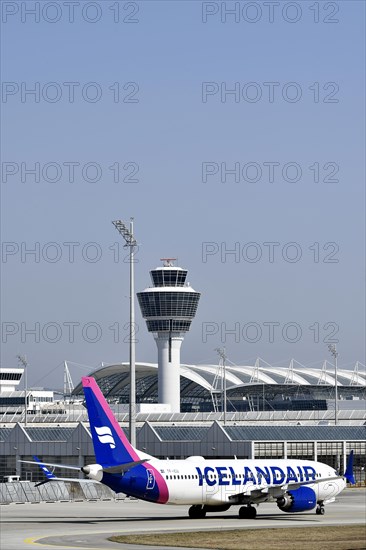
<point>347,537</point>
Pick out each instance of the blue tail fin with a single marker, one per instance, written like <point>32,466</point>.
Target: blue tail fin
<point>348,474</point>
<point>46,471</point>
<point>111,446</point>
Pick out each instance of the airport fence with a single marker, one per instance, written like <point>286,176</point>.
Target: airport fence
<point>56,491</point>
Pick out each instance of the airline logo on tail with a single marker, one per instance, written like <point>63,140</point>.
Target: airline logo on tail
<point>105,436</point>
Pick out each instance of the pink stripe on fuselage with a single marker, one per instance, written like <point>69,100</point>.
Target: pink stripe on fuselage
<point>163,488</point>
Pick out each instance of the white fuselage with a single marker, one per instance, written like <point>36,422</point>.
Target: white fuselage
<point>215,482</point>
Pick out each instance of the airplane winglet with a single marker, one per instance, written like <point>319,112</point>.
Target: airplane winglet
<point>348,474</point>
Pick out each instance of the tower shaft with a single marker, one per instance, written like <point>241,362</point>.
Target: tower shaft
<point>169,369</point>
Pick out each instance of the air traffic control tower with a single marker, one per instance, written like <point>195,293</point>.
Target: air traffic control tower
<point>168,308</point>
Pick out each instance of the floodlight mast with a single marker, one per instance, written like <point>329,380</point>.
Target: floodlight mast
<point>333,350</point>
<point>127,234</point>
<point>222,354</point>
<point>22,359</point>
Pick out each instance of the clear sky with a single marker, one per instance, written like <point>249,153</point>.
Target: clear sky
<point>218,132</point>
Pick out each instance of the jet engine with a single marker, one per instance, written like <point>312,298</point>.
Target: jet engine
<point>300,500</point>
<point>93,471</point>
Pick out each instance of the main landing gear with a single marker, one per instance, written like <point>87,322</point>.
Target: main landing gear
<point>247,512</point>
<point>320,510</point>
<point>197,512</point>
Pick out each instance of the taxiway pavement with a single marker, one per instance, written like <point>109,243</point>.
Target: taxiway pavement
<point>88,524</point>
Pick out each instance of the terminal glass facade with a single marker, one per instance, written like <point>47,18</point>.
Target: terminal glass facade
<point>303,450</point>
<point>269,450</point>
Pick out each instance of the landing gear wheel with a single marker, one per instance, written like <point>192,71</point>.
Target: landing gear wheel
<point>320,510</point>
<point>196,512</point>
<point>247,512</point>
<point>252,512</point>
<point>243,512</point>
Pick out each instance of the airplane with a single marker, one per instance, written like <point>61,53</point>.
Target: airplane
<point>205,485</point>
<point>50,476</point>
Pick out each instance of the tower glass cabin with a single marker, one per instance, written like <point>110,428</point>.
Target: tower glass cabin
<point>168,308</point>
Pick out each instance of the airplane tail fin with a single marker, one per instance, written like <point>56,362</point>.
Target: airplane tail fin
<point>46,471</point>
<point>111,446</point>
<point>348,474</point>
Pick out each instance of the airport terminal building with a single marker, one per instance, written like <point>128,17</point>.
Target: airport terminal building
<point>271,413</point>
